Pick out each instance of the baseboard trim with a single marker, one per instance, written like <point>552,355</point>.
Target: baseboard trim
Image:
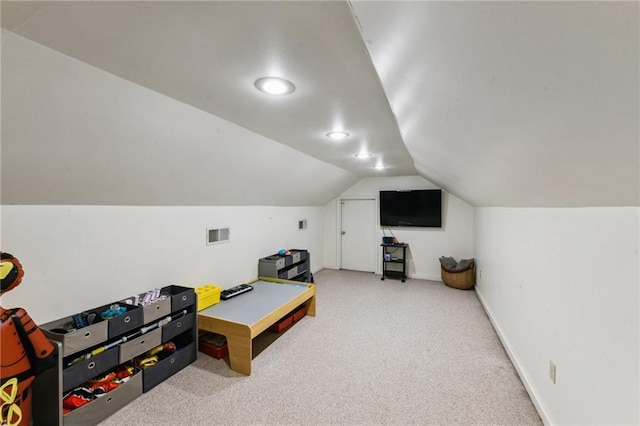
<point>316,270</point>
<point>514,360</point>
<point>427,277</point>
<point>416,276</point>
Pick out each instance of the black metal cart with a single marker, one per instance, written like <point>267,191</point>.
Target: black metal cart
<point>394,261</point>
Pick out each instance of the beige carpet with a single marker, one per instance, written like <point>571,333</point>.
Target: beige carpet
<point>378,352</point>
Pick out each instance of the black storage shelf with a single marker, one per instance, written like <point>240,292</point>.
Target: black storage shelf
<point>293,267</point>
<point>390,256</point>
<point>174,319</point>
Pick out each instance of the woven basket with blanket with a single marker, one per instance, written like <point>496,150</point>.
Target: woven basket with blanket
<point>460,275</point>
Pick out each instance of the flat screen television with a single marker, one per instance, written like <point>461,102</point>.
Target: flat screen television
<point>421,208</point>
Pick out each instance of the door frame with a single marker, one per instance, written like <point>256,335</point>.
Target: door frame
<point>339,228</point>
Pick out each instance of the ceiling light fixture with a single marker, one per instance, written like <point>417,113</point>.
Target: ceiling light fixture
<point>337,135</point>
<point>379,167</point>
<point>274,86</point>
<point>363,155</point>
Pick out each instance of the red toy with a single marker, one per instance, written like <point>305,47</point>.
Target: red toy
<point>25,351</point>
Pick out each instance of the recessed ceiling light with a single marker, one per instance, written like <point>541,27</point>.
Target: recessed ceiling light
<point>362,155</point>
<point>274,86</point>
<point>337,135</point>
<point>379,167</point>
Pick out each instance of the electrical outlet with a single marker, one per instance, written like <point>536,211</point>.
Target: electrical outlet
<point>480,273</point>
<point>552,372</point>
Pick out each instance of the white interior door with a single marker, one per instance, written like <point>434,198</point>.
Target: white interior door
<point>358,235</point>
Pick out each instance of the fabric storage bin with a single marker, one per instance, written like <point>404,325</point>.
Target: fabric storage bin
<point>300,255</point>
<point>77,340</point>
<point>178,326</point>
<point>288,260</point>
<point>121,324</point>
<point>167,367</point>
<point>140,345</point>
<point>279,261</point>
<point>296,270</point>
<point>156,310</point>
<point>181,297</point>
<point>289,273</point>
<point>89,368</point>
<point>102,407</point>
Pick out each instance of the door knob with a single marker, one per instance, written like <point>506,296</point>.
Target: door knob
<point>343,232</point>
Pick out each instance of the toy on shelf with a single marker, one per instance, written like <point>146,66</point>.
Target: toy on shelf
<point>25,354</point>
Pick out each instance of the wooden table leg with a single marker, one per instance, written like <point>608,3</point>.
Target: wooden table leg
<point>239,336</point>
<point>311,306</point>
<point>240,345</point>
<point>238,341</point>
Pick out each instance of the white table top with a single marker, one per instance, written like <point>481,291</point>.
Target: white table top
<point>250,307</point>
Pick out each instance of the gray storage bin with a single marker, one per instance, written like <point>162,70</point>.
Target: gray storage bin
<point>177,326</point>
<point>293,272</point>
<point>89,368</point>
<point>156,311</point>
<point>290,273</point>
<point>181,297</point>
<point>168,366</point>
<point>275,260</point>
<point>270,265</point>
<point>78,340</point>
<point>300,254</point>
<point>102,407</point>
<point>140,345</point>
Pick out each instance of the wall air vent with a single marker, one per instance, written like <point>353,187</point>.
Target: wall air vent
<point>217,235</point>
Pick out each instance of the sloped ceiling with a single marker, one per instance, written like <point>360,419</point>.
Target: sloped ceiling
<point>514,103</point>
<point>500,103</point>
<point>75,135</point>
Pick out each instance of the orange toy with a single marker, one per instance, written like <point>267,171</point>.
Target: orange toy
<point>24,351</point>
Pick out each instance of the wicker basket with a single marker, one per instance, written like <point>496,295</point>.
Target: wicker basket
<point>462,280</point>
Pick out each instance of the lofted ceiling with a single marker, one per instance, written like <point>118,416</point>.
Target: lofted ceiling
<point>499,103</point>
<point>520,103</point>
<point>209,54</point>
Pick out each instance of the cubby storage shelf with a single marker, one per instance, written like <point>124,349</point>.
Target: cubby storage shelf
<point>94,350</point>
<point>295,266</point>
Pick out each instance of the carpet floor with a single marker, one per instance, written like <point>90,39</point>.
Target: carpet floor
<point>378,352</point>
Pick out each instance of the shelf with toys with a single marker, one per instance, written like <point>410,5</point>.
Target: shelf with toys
<point>114,353</point>
<point>294,264</point>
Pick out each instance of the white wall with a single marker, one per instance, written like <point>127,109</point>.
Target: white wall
<point>81,257</point>
<point>330,235</point>
<point>83,151</point>
<point>426,245</point>
<point>562,285</point>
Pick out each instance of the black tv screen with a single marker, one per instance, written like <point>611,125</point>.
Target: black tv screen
<point>422,207</point>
